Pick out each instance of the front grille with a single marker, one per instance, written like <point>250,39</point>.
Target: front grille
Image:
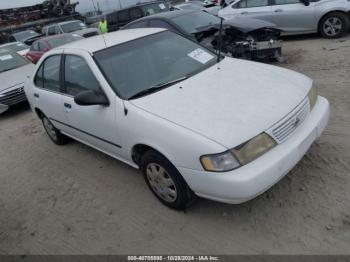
<point>284,128</point>
<point>13,97</point>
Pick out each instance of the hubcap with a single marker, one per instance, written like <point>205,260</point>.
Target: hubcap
<point>332,26</point>
<point>161,182</point>
<point>50,129</point>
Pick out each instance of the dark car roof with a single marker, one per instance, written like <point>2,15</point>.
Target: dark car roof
<point>137,5</point>
<point>165,15</point>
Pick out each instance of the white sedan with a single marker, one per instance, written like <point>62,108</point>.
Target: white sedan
<point>225,130</point>
<point>14,70</point>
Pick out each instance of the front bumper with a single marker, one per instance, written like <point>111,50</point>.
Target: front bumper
<point>266,49</point>
<point>12,96</point>
<point>251,180</point>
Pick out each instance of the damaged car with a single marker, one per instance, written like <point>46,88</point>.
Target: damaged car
<point>241,38</point>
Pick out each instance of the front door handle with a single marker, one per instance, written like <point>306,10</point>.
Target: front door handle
<point>36,95</point>
<point>278,10</point>
<point>66,105</point>
<point>244,13</point>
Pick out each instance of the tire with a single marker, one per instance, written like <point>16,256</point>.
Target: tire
<point>168,186</point>
<point>58,11</point>
<point>334,25</point>
<point>54,134</point>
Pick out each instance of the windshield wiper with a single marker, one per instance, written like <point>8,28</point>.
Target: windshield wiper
<point>155,88</point>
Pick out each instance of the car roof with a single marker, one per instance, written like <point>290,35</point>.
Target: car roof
<point>168,15</point>
<point>100,42</point>
<point>137,5</point>
<point>46,38</point>
<point>11,43</point>
<point>70,21</point>
<point>21,32</point>
<point>4,51</point>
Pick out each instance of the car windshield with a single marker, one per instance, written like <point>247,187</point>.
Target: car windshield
<point>73,26</point>
<point>62,40</point>
<point>15,46</point>
<point>194,21</point>
<point>152,61</point>
<point>9,61</point>
<point>25,35</point>
<point>155,8</point>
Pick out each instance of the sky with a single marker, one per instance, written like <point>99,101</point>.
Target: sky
<point>84,5</point>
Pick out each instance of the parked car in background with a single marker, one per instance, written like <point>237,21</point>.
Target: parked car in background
<point>41,46</point>
<point>14,70</point>
<point>120,18</point>
<point>27,37</point>
<point>329,18</point>
<point>197,6</point>
<point>18,47</point>
<point>242,38</point>
<point>75,26</point>
<point>236,127</point>
<point>206,3</point>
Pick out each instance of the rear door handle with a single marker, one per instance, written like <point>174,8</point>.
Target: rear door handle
<point>278,10</point>
<point>36,95</point>
<point>66,105</point>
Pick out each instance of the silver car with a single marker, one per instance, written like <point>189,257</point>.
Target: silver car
<point>328,17</point>
<point>75,26</point>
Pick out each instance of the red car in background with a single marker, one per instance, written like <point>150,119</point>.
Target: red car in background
<point>41,46</point>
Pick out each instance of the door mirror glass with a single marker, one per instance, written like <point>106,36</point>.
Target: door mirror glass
<point>90,98</point>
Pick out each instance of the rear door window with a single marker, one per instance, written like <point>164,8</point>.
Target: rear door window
<point>51,73</point>
<point>251,3</point>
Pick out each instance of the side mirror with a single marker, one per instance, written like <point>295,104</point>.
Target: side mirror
<point>306,2</point>
<point>91,98</point>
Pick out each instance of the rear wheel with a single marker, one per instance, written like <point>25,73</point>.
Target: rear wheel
<point>165,181</point>
<point>334,25</point>
<point>54,134</point>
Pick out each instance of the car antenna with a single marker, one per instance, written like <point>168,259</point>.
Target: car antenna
<point>220,41</point>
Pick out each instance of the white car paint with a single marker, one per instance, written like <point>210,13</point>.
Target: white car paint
<point>217,109</point>
<point>21,52</point>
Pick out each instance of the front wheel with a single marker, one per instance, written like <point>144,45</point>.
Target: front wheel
<point>334,25</point>
<point>54,134</point>
<point>165,181</point>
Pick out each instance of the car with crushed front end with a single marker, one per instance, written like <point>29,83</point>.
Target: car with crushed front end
<point>245,38</point>
<point>14,70</point>
<point>196,124</point>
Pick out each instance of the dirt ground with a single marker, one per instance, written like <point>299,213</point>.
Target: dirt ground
<point>76,200</point>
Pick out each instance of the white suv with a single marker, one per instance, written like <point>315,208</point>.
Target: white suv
<point>157,101</point>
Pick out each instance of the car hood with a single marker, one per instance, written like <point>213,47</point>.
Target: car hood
<point>232,104</point>
<point>15,77</point>
<point>246,25</point>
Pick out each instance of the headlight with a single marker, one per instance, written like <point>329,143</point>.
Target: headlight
<point>254,148</point>
<point>312,96</point>
<point>219,162</point>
